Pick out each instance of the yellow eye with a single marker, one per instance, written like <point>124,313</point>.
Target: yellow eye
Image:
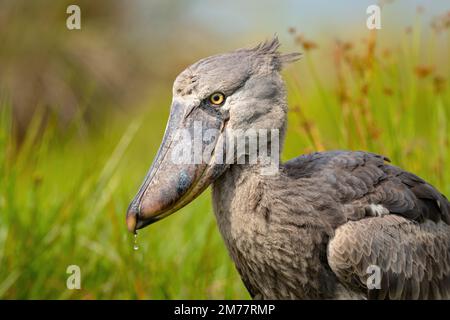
<point>217,98</point>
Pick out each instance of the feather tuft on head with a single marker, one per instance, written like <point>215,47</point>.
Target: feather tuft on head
<point>269,48</point>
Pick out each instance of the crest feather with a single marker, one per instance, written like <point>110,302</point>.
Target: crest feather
<point>270,48</point>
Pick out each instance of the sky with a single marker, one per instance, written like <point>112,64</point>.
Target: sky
<point>224,24</point>
<point>234,16</point>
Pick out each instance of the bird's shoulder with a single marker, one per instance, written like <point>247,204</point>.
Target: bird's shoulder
<point>364,184</point>
<point>311,164</point>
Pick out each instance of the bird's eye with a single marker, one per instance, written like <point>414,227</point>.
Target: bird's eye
<point>217,98</point>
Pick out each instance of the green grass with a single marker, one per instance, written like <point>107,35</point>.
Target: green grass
<point>63,197</point>
<point>63,202</point>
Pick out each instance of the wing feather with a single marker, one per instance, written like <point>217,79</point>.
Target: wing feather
<point>413,258</point>
<point>382,216</point>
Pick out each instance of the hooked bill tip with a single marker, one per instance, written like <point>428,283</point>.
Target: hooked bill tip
<point>131,222</point>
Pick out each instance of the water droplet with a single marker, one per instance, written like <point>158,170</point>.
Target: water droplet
<point>135,246</point>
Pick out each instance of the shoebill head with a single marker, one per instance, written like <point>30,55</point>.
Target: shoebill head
<point>239,90</point>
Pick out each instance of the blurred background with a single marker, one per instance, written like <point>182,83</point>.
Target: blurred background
<point>82,113</point>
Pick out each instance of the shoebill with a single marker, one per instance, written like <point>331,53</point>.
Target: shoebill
<point>326,225</point>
